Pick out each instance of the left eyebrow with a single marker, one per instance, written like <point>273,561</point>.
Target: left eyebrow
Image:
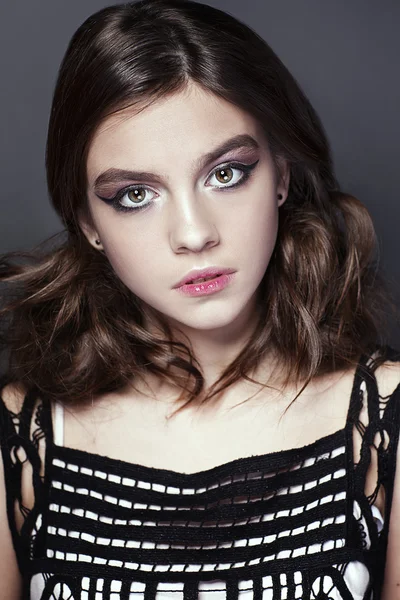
<point>118,175</point>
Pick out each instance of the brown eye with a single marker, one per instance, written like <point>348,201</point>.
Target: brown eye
<point>224,175</point>
<point>136,195</point>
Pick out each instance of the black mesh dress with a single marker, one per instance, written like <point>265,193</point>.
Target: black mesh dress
<point>290,524</point>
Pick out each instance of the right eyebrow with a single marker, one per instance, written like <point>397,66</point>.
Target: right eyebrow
<point>113,175</point>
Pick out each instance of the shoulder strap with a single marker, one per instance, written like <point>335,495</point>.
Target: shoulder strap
<point>25,432</point>
<point>374,413</point>
<point>373,434</point>
<point>59,424</point>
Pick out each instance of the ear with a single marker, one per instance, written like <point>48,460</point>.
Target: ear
<point>283,179</point>
<point>89,231</point>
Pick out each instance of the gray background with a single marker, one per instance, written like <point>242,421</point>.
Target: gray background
<point>344,54</point>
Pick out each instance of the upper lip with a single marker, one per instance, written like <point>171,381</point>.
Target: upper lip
<point>200,273</point>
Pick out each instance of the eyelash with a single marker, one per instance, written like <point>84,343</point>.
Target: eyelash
<point>115,201</point>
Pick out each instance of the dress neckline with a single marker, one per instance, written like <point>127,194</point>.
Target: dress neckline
<point>270,460</point>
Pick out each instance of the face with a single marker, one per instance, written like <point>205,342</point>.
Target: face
<point>188,183</point>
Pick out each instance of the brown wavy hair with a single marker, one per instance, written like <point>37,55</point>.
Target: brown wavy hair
<point>72,328</point>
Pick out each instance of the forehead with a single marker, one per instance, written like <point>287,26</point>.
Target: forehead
<point>180,127</point>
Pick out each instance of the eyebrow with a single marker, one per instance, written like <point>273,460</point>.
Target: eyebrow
<point>116,175</point>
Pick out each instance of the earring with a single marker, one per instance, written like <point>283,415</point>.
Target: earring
<point>97,242</point>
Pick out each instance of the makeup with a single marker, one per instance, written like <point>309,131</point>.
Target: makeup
<point>207,287</point>
<point>200,217</point>
<point>120,201</point>
<point>243,142</point>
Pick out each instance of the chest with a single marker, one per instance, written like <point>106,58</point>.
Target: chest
<point>261,527</point>
<point>194,439</point>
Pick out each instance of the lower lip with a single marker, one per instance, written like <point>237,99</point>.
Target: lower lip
<point>206,287</point>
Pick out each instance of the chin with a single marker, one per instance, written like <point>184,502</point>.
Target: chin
<point>218,318</point>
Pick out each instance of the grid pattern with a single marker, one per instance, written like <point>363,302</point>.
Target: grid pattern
<point>287,525</point>
<point>231,523</point>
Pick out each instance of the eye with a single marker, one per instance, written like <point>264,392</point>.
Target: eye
<point>134,197</point>
<point>138,197</point>
<point>231,175</point>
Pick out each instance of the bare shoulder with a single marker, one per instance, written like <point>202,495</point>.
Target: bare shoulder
<point>388,377</point>
<point>13,395</point>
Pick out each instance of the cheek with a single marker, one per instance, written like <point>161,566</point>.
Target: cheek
<point>140,258</point>
<point>133,257</point>
<point>258,229</point>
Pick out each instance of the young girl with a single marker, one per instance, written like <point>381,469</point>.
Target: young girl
<point>197,402</point>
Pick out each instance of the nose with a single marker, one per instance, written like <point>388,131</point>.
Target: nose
<point>192,227</point>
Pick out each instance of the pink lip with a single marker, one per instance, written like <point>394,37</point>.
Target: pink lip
<point>207,287</point>
<point>208,272</point>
